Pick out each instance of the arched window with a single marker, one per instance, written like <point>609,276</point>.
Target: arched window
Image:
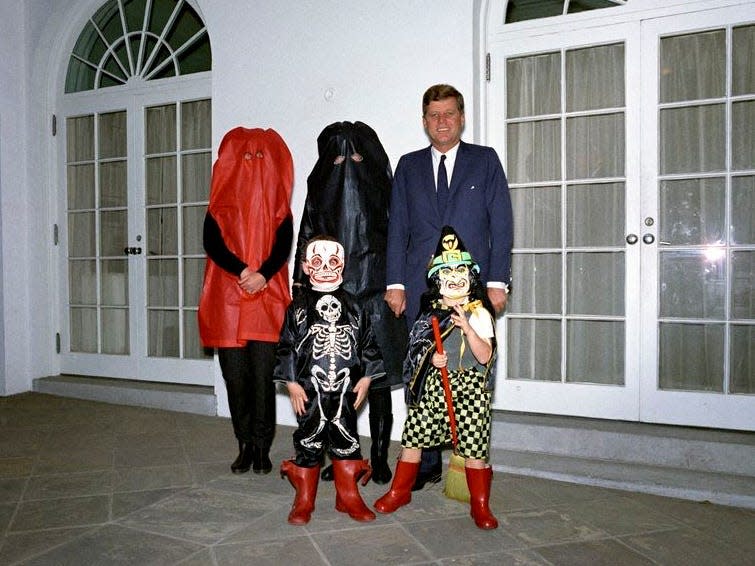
<point>520,10</point>
<point>128,40</point>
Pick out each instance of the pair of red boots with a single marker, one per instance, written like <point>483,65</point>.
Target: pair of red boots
<point>346,474</point>
<point>479,481</point>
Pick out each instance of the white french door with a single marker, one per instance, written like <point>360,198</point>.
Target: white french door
<point>135,172</point>
<point>698,314</point>
<point>629,151</point>
<point>569,134</point>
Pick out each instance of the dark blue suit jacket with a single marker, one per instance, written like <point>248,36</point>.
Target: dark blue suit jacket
<point>479,209</point>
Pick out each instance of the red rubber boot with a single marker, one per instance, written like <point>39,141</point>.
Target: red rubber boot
<point>401,488</point>
<point>304,481</point>
<point>479,481</point>
<point>346,474</point>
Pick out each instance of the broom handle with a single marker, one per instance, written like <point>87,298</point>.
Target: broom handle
<point>444,380</point>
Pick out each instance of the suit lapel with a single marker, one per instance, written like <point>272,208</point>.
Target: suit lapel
<point>460,166</point>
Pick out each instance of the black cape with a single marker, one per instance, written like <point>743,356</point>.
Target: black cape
<point>348,198</point>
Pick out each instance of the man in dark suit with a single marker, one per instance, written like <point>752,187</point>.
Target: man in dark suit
<point>449,183</point>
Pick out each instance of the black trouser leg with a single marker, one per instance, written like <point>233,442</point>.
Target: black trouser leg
<point>381,421</point>
<point>248,376</point>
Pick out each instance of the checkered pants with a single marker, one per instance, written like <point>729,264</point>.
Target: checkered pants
<point>427,423</point>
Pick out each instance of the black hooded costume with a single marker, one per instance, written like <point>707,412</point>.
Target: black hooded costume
<point>348,198</point>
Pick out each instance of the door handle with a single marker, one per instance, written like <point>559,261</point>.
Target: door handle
<point>632,239</point>
<point>132,250</point>
<point>648,238</point>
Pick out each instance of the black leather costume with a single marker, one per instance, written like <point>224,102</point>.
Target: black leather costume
<point>327,346</point>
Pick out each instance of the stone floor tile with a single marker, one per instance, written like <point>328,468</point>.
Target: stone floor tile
<point>621,515</point>
<point>81,460</point>
<point>298,550</point>
<point>688,546</point>
<point>128,502</point>
<point>459,536</point>
<point>546,526</point>
<point>55,513</point>
<point>148,478</point>
<point>378,544</point>
<point>6,512</point>
<point>21,546</point>
<point>11,489</point>
<point>16,467</point>
<point>69,485</point>
<point>605,552</point>
<point>115,544</point>
<point>507,558</point>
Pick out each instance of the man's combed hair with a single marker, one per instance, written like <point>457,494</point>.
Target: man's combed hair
<point>441,92</point>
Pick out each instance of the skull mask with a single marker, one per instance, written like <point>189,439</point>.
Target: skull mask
<point>323,263</point>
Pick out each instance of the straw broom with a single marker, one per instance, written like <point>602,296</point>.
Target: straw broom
<point>456,479</point>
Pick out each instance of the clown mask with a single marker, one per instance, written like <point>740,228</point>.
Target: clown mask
<point>323,263</point>
<point>454,281</point>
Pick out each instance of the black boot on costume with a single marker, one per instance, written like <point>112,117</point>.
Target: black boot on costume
<point>243,461</point>
<point>380,432</point>
<point>261,463</point>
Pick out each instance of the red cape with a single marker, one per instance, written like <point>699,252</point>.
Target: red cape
<point>249,198</point>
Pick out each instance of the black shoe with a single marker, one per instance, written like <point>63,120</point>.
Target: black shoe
<point>327,473</point>
<point>243,461</point>
<point>430,476</point>
<point>261,463</point>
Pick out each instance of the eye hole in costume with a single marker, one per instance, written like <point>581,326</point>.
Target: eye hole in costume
<point>334,262</point>
<point>339,159</point>
<point>460,270</point>
<point>316,261</point>
<point>356,157</point>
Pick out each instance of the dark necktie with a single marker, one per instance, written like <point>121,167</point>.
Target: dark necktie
<point>442,190</point>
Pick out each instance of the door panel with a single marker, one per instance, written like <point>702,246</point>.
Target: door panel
<point>137,184</point>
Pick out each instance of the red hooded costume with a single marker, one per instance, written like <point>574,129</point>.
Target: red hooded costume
<point>249,198</point>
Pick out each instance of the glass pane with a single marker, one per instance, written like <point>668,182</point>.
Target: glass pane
<point>742,138</point>
<point>80,139</point>
<point>595,215</point>
<point>114,282</point>
<point>537,216</point>
<point>82,282</point>
<point>192,346</point>
<point>113,184</point>
<point>162,231</point>
<point>743,284</point>
<point>112,135</point>
<point>595,78</point>
<point>595,146</point>
<point>81,240</point>
<point>520,10</point>
<point>160,123</point>
<point>115,331</point>
<point>83,330</point>
<point>533,85</point>
<point>537,282</point>
<point>595,352</point>
<point>196,125</point>
<point>80,180</point>
<point>693,140</point>
<point>195,174</point>
<point>162,184</point>
<point>113,232</point>
<point>691,357</point>
<point>743,60</point>
<point>534,349</point>
<point>534,151</point>
<point>192,228</point>
<point>693,67</point>
<point>163,340</point>
<point>162,284</point>
<point>742,359</point>
<point>743,210</point>
<point>595,283</point>
<point>693,283</point>
<point>692,211</point>
<point>193,276</point>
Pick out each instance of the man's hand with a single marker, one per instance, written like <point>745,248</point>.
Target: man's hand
<point>439,360</point>
<point>252,281</point>
<point>298,397</point>
<point>396,299</point>
<point>361,389</point>
<point>498,298</point>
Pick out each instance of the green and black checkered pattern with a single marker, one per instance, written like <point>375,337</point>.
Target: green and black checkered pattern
<point>427,423</point>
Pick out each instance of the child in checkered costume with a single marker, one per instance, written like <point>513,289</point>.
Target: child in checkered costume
<point>456,298</point>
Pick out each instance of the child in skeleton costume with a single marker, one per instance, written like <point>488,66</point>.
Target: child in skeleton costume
<point>327,357</point>
<point>467,327</point>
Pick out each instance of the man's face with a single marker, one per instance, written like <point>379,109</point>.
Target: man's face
<point>454,281</point>
<point>443,123</point>
<point>323,264</point>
